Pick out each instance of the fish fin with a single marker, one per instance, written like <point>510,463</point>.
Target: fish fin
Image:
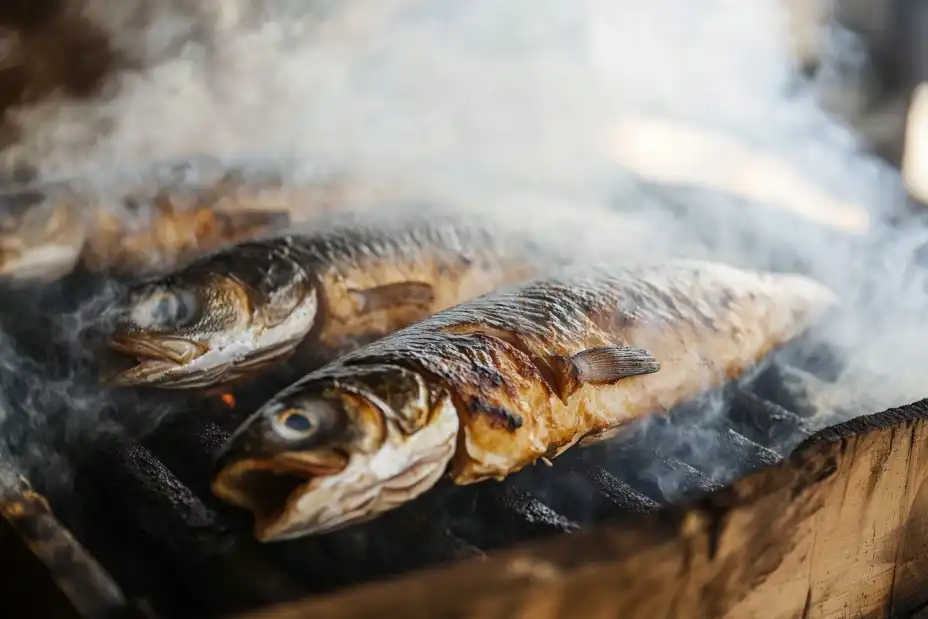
<point>604,365</point>
<point>393,295</point>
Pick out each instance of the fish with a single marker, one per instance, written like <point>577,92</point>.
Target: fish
<point>494,384</point>
<point>302,297</point>
<point>41,238</point>
<point>151,219</point>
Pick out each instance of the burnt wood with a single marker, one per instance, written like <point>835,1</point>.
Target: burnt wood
<point>50,574</point>
<point>839,529</point>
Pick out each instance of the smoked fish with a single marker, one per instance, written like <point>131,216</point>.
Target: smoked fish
<point>313,292</point>
<point>491,385</point>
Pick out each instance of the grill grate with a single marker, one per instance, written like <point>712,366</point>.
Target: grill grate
<point>148,515</point>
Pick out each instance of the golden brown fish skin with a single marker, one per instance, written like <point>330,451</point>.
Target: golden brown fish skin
<point>338,283</point>
<point>703,322</point>
<point>357,263</point>
<point>500,360</point>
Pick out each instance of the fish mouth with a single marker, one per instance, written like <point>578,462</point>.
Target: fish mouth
<point>267,488</point>
<point>155,358</point>
<point>302,493</point>
<point>168,363</point>
<point>288,500</point>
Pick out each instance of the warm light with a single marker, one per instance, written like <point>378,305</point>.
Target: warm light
<point>915,153</point>
<point>228,399</point>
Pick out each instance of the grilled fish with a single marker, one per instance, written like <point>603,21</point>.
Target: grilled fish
<point>321,290</point>
<point>40,238</point>
<point>150,220</point>
<point>487,387</point>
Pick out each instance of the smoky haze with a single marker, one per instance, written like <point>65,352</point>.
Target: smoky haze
<point>645,129</point>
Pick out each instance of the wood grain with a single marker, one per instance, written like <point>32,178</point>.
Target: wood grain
<point>838,530</point>
<point>51,575</point>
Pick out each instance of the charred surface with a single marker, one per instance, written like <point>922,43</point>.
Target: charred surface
<point>218,570</point>
<point>55,577</point>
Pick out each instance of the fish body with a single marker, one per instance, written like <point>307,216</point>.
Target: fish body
<point>318,290</point>
<point>487,387</point>
<point>139,222</point>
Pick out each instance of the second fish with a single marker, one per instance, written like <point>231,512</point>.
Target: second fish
<point>318,291</point>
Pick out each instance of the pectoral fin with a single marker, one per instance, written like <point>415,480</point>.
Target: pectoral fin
<point>605,365</point>
<point>393,295</point>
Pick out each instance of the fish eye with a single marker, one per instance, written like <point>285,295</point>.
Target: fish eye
<point>166,309</point>
<point>295,424</point>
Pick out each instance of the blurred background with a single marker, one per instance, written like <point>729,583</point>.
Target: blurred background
<point>81,75</point>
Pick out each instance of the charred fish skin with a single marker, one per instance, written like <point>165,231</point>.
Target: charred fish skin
<point>310,295</point>
<point>527,371</point>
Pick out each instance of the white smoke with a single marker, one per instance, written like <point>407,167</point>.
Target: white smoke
<point>536,111</point>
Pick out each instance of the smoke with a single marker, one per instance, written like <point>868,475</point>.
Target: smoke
<point>643,129</point>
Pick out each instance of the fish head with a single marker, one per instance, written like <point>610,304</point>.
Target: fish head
<point>206,325</point>
<point>41,236</point>
<point>329,452</point>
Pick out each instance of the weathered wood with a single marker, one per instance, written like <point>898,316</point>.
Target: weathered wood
<point>46,573</point>
<point>840,529</point>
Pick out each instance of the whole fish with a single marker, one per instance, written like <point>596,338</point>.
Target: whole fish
<point>149,220</point>
<point>485,388</point>
<point>320,290</point>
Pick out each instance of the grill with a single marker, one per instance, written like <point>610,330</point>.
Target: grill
<point>141,505</point>
<point>144,537</point>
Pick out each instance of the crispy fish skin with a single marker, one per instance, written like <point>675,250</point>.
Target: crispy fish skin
<point>320,290</point>
<point>489,386</point>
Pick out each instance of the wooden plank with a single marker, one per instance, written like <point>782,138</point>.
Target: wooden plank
<point>838,530</point>
<point>46,572</point>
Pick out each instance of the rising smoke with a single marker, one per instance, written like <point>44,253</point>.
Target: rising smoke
<point>548,114</point>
